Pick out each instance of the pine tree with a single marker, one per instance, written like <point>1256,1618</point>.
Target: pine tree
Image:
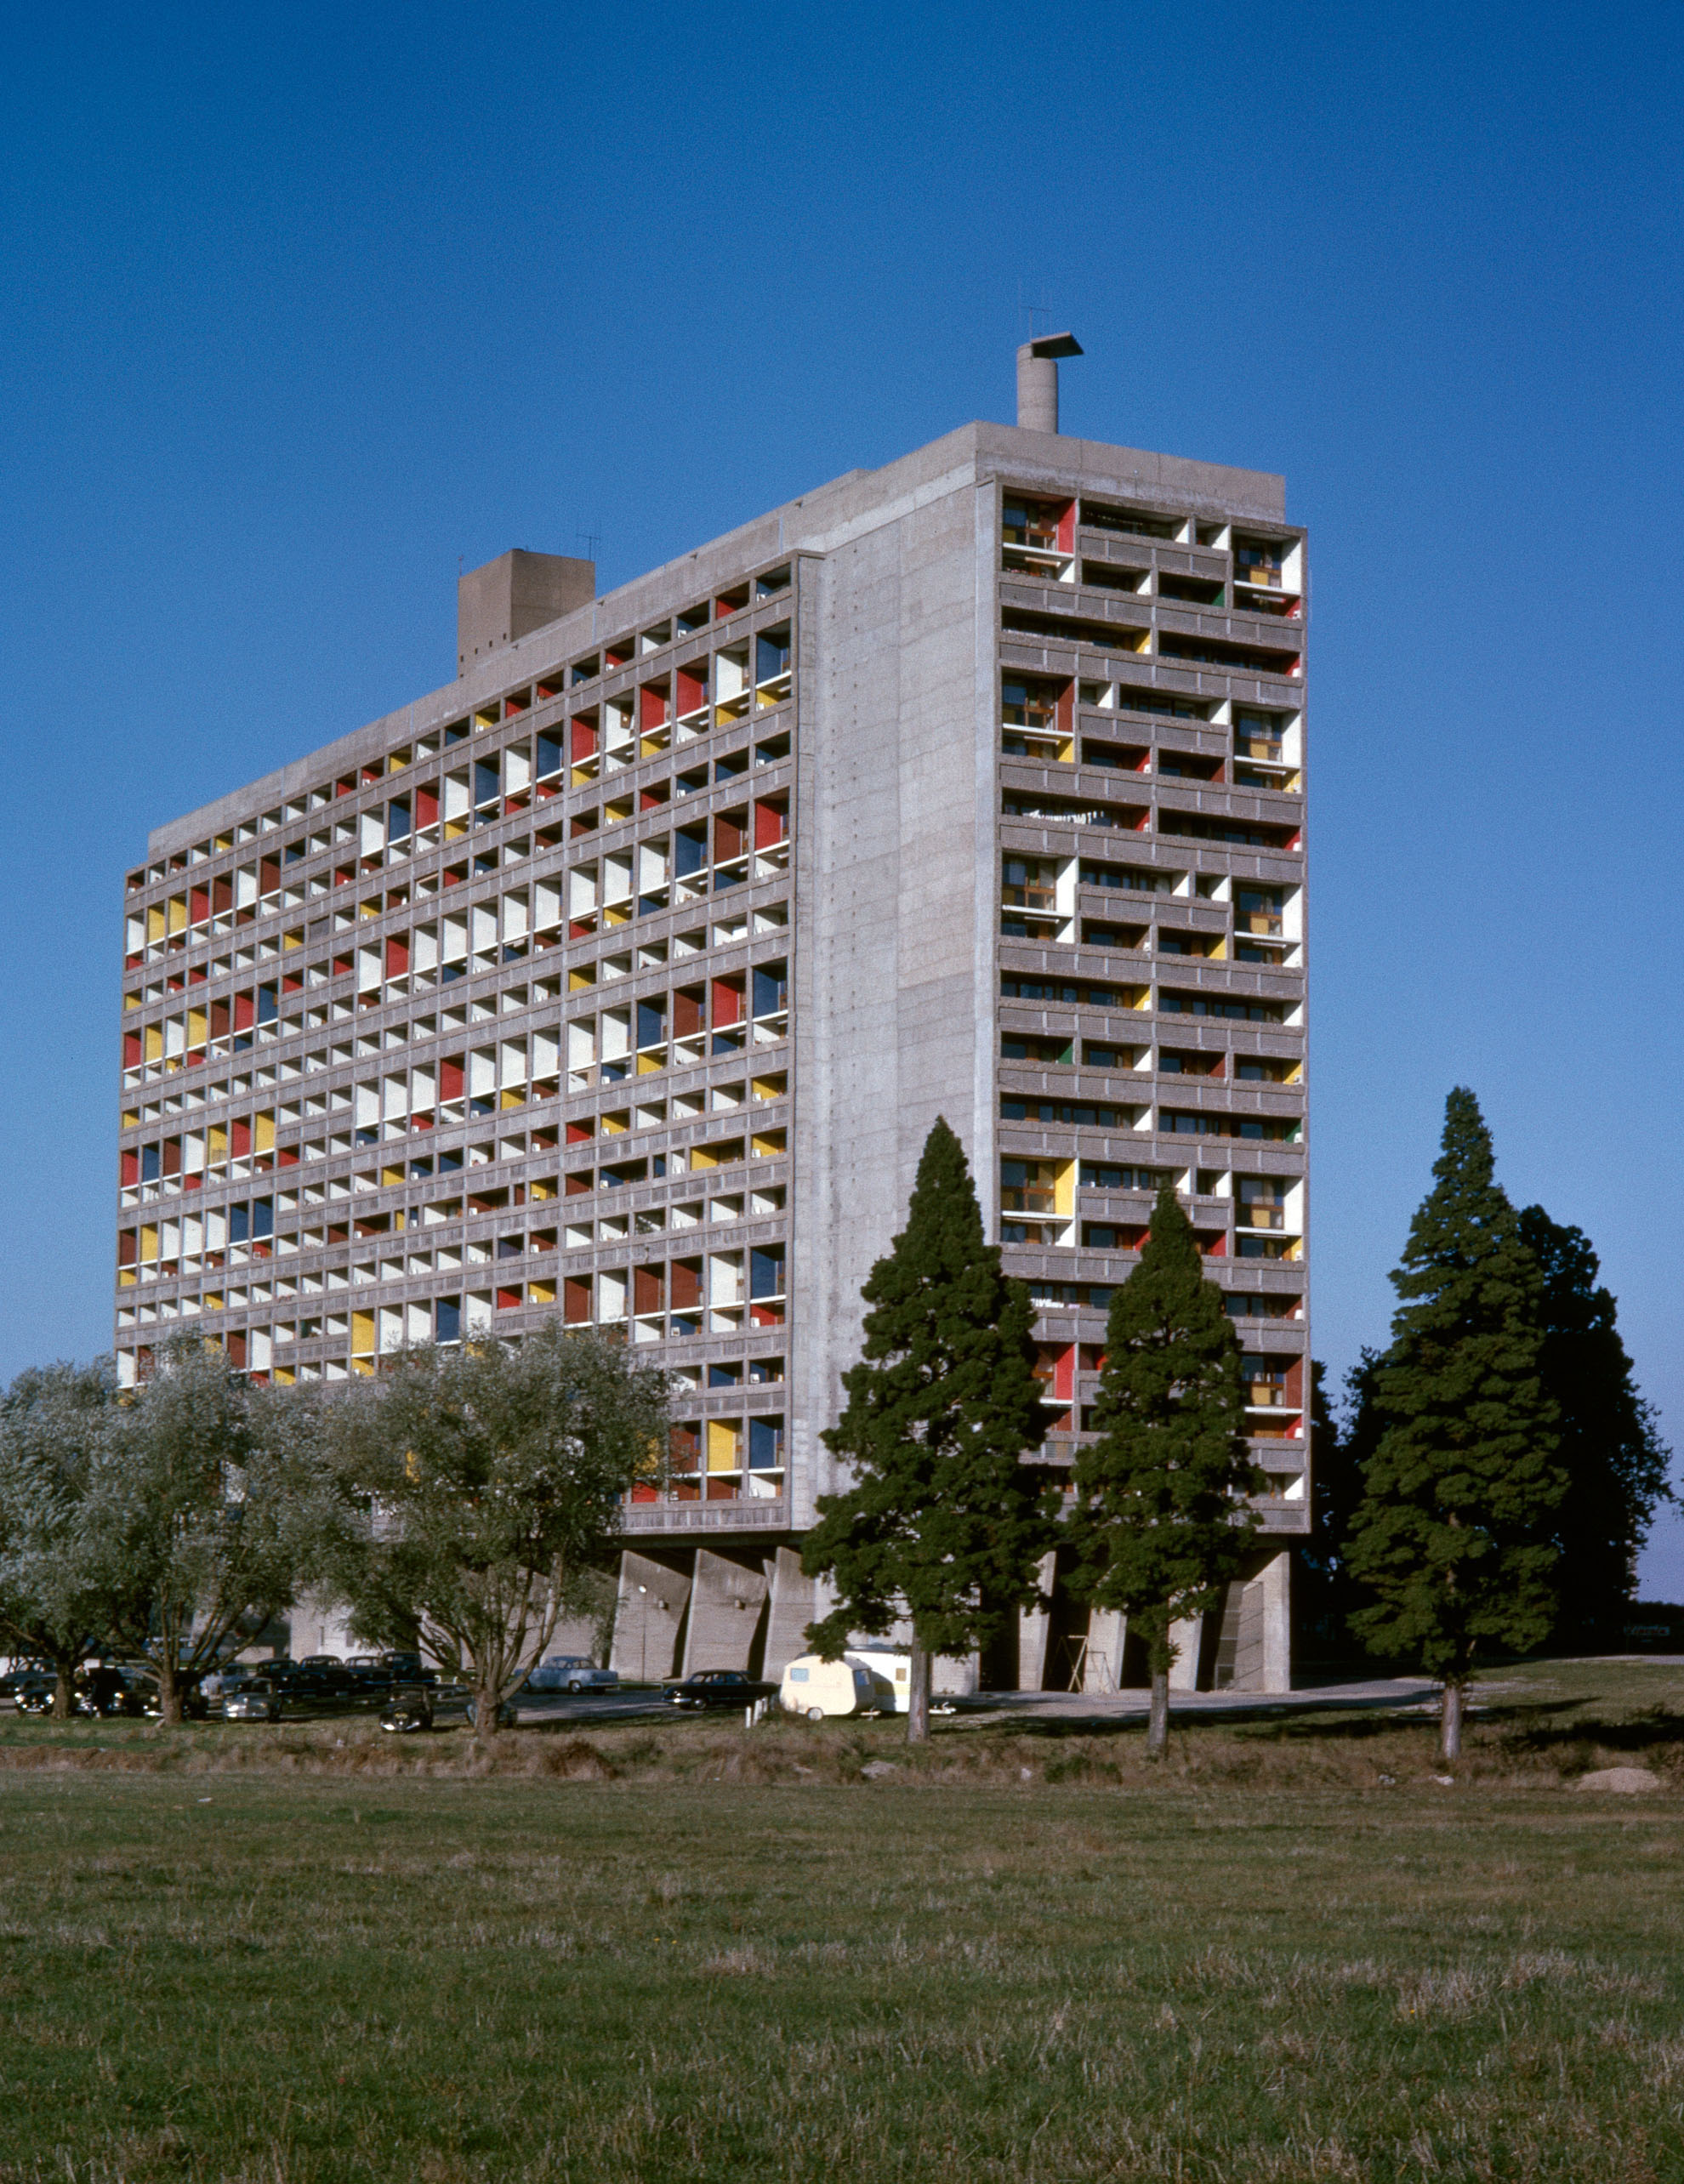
<point>1614,1459</point>
<point>1160,1525</point>
<point>944,1522</point>
<point>1455,1530</point>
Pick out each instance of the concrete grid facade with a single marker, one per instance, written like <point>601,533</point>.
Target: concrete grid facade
<point>624,976</point>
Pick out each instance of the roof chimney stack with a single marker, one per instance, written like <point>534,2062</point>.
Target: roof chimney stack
<point>1037,380</point>
<point>515,595</point>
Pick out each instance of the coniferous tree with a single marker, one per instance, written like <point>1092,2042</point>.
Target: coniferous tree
<point>1160,1525</point>
<point>945,1522</point>
<point>1455,1533</point>
<point>1614,1459</point>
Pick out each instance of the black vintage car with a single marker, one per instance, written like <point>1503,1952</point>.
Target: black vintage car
<point>722,1688</point>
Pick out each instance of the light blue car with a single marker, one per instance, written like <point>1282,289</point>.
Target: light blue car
<point>573,1672</point>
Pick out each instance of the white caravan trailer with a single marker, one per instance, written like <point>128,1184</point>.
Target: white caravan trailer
<point>865,1681</point>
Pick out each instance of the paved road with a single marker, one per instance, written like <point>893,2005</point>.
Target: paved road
<point>534,1707</point>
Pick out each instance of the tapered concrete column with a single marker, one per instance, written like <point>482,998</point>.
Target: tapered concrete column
<point>1034,1628</point>
<point>1184,1637</point>
<point>795,1603</point>
<point>648,1617</point>
<point>725,1613</point>
<point>1108,1635</point>
<point>1275,1581</point>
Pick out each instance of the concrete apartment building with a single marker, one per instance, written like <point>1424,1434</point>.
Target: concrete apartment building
<point>624,975</point>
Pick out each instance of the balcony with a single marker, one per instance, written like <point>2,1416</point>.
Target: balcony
<point>770,1513</point>
<point>1023,1198</point>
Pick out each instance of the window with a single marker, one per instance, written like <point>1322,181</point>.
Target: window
<point>1022,1046</point>
<point>1082,1113</point>
<point>1106,1175</point>
<point>1171,1004</point>
<point>1069,992</point>
<point>1136,879</point>
<point>1270,1307</point>
<point>1031,882</point>
<point>1108,1236</point>
<point>1131,522</point>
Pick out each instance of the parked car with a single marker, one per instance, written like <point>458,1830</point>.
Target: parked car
<point>408,1709</point>
<point>22,1672</point>
<point>224,1678</point>
<point>257,1699</point>
<point>574,1672</point>
<point>32,1693</point>
<point>322,1661</point>
<point>710,1687</point>
<point>416,1702</point>
<point>861,1682</point>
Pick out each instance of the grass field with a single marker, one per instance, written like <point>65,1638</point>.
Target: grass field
<point>244,1954</point>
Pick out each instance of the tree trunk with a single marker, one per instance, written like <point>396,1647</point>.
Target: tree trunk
<point>487,1705</point>
<point>63,1691</point>
<point>918,1695</point>
<point>1157,1718</point>
<point>1450,1719</point>
<point>169,1691</point>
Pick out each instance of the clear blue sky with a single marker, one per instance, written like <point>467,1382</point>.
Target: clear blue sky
<point>303,306</point>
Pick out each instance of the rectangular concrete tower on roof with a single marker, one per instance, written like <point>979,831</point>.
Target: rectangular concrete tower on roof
<point>624,977</point>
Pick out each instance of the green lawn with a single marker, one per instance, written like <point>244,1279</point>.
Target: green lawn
<point>302,1977</point>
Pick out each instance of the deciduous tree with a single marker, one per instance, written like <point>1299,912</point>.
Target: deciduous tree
<point>211,1512</point>
<point>60,1596</point>
<point>483,1485</point>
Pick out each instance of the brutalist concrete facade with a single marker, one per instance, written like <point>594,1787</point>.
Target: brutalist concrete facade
<point>624,976</point>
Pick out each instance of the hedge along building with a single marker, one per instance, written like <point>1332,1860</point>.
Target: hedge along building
<point>624,975</point>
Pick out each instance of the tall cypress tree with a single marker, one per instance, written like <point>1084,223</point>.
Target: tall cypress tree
<point>1455,1531</point>
<point>1160,1525</point>
<point>944,1522</point>
<point>1614,1459</point>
